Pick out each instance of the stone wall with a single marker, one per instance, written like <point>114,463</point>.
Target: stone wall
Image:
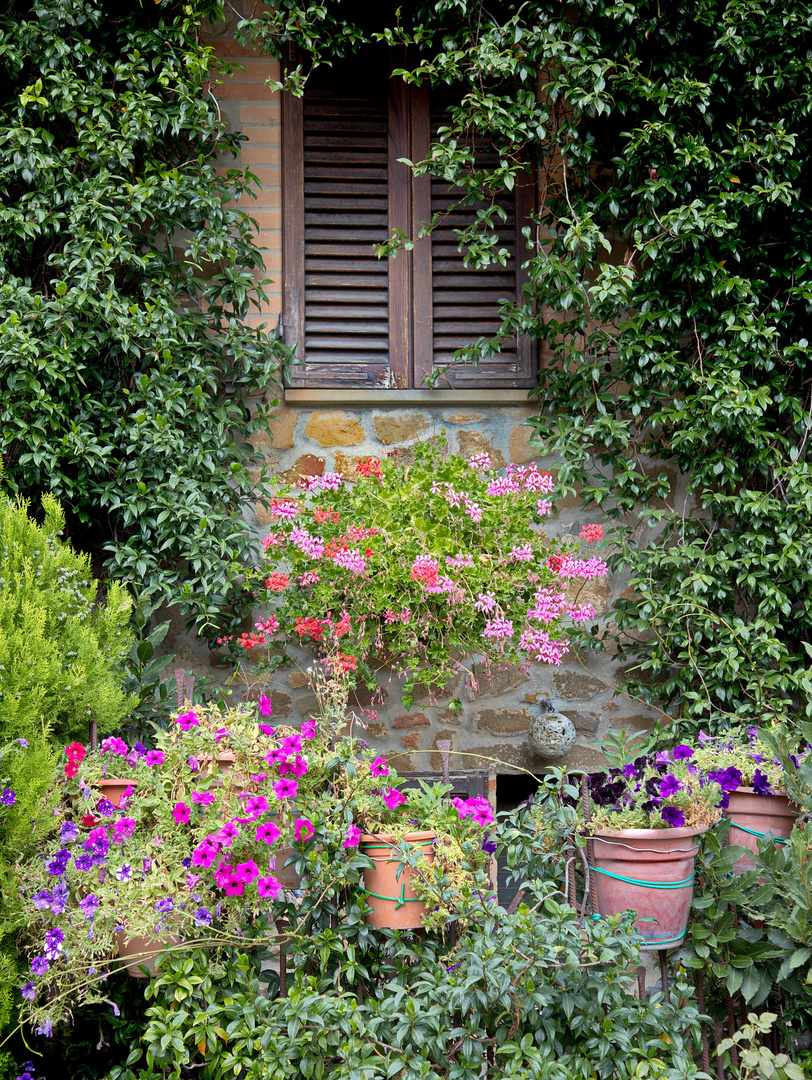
<point>486,718</point>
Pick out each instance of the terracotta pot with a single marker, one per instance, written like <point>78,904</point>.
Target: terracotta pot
<point>138,952</point>
<point>752,816</point>
<point>650,872</point>
<point>391,897</point>
<point>113,788</point>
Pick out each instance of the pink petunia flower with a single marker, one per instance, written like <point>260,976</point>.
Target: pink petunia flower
<point>123,829</point>
<point>181,813</point>
<point>297,767</point>
<point>154,757</point>
<point>227,835</point>
<point>266,729</point>
<point>203,798</point>
<point>265,705</point>
<point>257,805</point>
<point>304,829</point>
<point>393,798</point>
<point>379,767</point>
<point>203,856</point>
<point>224,872</point>
<point>309,729</point>
<point>268,887</point>
<point>269,832</point>
<point>292,744</point>
<point>352,837</point>
<point>187,720</point>
<point>246,871</point>
<point>286,789</point>
<point>234,888</point>
<point>276,756</point>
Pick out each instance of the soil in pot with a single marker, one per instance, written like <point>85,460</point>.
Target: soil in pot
<point>389,885</point>
<point>650,872</point>
<point>752,816</point>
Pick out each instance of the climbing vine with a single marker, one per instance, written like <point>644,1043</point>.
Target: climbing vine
<point>127,267</point>
<point>670,293</point>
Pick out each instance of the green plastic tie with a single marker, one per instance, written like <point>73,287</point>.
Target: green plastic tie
<point>753,832</point>
<point>399,901</point>
<point>645,884</point>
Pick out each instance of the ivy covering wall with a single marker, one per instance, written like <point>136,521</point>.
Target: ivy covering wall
<point>127,264</point>
<point>670,283</point>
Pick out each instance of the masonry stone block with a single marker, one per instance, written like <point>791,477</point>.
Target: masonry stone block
<point>335,429</point>
<point>298,679</point>
<point>396,428</point>
<point>519,448</point>
<point>411,742</point>
<point>585,722</point>
<point>474,442</point>
<point>306,465</point>
<point>410,720</point>
<point>503,721</point>
<point>496,681</point>
<point>574,686</point>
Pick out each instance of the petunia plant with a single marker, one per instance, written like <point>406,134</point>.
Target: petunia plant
<point>420,565</point>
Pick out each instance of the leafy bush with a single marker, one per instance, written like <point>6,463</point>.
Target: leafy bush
<point>61,650</point>
<point>127,271</point>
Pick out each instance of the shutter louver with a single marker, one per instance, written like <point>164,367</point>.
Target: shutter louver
<point>345,336</point>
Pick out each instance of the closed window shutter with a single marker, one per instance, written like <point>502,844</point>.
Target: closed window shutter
<point>339,315</point>
<point>359,321</point>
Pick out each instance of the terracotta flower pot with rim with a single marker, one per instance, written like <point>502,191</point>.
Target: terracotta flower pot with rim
<point>752,816</point>
<point>388,887</point>
<point>113,788</point>
<point>650,872</point>
<point>138,952</point>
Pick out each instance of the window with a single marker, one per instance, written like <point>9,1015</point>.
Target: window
<point>360,321</point>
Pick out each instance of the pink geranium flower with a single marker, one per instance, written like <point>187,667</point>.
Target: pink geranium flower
<point>268,832</point>
<point>304,829</point>
<point>286,789</point>
<point>352,837</point>
<point>268,887</point>
<point>181,813</point>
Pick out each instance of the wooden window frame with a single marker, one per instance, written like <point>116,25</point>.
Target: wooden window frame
<point>410,282</point>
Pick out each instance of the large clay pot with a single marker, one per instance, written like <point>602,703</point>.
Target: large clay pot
<point>113,788</point>
<point>141,952</point>
<point>650,872</point>
<point>752,816</point>
<point>388,885</point>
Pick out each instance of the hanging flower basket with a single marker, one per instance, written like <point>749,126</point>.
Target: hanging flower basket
<point>753,816</point>
<point>650,872</point>
<point>388,883</point>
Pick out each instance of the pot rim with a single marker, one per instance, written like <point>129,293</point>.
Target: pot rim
<point>780,794</point>
<point>115,780</point>
<point>652,834</point>
<point>391,840</point>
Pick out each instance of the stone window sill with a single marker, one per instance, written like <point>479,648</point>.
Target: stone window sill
<point>424,397</point>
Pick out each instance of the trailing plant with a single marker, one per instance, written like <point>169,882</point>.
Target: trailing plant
<point>419,566</point>
<point>669,282</point>
<point>128,268</point>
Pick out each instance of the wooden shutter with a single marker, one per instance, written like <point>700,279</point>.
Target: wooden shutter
<point>465,301</point>
<point>337,312</point>
<point>356,320</point>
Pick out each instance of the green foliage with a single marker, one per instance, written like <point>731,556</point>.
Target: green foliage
<point>127,272</point>
<point>670,284</point>
<point>61,650</point>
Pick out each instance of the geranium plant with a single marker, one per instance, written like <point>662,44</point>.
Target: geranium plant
<point>418,566</point>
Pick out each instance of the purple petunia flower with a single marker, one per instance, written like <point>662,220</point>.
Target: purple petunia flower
<point>728,779</point>
<point>59,903</point>
<point>673,816</point>
<point>193,763</point>
<point>69,832</point>
<point>29,991</point>
<point>105,808</point>
<point>203,917</point>
<point>669,785</point>
<point>8,797</point>
<point>124,872</point>
<point>53,943</point>
<point>489,846</point>
<point>83,862</point>
<point>39,965</point>
<point>761,785</point>
<point>167,904</point>
<point>89,906</point>
<point>42,899</point>
<point>682,752</point>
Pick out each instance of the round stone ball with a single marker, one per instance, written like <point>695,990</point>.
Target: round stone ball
<point>552,735</point>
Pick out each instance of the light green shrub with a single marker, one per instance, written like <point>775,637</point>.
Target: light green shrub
<point>61,647</point>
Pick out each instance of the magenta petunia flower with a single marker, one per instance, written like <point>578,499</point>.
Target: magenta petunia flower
<point>379,767</point>
<point>223,873</point>
<point>257,805</point>
<point>187,720</point>
<point>303,829</point>
<point>265,705</point>
<point>234,888</point>
<point>276,756</point>
<point>154,757</point>
<point>246,871</point>
<point>266,729</point>
<point>228,834</point>
<point>352,837</point>
<point>309,729</point>
<point>393,798</point>
<point>297,767</point>
<point>181,813</point>
<point>292,744</point>
<point>268,887</point>
<point>269,832</point>
<point>286,789</point>
<point>203,856</point>
<point>203,798</point>
<point>123,829</point>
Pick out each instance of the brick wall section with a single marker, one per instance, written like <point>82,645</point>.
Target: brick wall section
<point>248,105</point>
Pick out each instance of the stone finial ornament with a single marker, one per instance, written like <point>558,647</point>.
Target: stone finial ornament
<point>551,734</point>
